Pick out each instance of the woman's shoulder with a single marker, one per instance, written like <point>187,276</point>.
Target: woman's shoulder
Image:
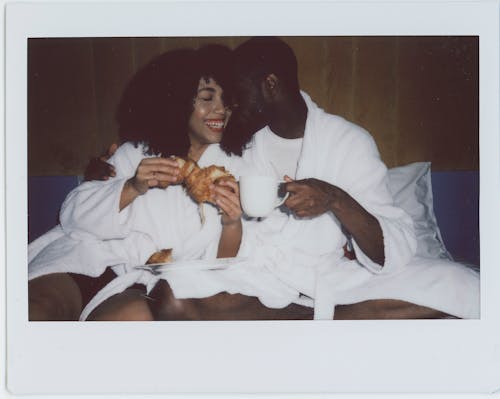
<point>127,157</point>
<point>129,150</point>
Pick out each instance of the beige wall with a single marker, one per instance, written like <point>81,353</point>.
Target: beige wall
<point>418,96</point>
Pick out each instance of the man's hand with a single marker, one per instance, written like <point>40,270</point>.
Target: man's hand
<point>98,168</point>
<point>311,197</point>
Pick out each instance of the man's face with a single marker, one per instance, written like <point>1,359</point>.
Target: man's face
<point>251,106</point>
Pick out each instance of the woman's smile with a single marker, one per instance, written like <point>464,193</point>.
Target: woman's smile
<point>210,115</point>
<point>216,125</point>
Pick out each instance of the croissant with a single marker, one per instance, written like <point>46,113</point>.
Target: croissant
<point>197,180</point>
<point>162,256</point>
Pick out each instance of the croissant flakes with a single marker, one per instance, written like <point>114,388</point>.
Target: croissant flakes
<point>197,180</point>
<point>161,256</point>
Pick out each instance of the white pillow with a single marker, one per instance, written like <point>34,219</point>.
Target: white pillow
<point>411,188</point>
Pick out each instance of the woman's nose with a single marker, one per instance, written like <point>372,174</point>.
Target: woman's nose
<point>219,107</point>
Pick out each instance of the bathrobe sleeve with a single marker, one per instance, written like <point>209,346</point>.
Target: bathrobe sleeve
<point>364,176</point>
<point>93,207</point>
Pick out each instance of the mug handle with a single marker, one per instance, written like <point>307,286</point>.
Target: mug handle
<point>282,201</point>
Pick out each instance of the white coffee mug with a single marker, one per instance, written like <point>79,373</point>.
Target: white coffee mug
<point>259,195</point>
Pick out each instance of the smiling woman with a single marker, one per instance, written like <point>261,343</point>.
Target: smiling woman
<point>176,98</point>
<point>175,106</point>
<point>208,119</point>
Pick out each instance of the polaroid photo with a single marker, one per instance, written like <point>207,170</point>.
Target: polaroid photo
<point>421,77</point>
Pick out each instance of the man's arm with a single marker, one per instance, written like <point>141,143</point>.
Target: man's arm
<point>313,197</point>
<point>98,168</point>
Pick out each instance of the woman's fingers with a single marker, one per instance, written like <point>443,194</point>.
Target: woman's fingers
<point>231,212</point>
<point>160,162</point>
<point>157,172</point>
<point>160,165</point>
<point>230,183</point>
<point>227,205</point>
<point>226,196</point>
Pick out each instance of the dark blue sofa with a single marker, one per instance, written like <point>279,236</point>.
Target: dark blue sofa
<point>456,205</point>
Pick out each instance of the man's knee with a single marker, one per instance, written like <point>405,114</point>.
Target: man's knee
<point>378,309</point>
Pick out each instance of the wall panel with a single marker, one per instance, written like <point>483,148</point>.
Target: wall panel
<point>418,96</point>
<point>439,102</point>
<point>62,120</point>
<point>114,64</point>
<point>375,92</point>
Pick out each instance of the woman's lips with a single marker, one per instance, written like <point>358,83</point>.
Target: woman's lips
<point>216,125</point>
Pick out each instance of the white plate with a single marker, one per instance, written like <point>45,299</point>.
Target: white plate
<point>196,264</point>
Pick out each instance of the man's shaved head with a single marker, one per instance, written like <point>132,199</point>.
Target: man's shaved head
<point>260,56</point>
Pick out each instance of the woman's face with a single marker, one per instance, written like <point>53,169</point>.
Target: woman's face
<point>210,115</point>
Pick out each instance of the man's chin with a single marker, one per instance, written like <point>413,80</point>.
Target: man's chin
<point>254,122</point>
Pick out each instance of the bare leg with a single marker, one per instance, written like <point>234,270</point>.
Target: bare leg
<point>130,305</point>
<point>222,306</point>
<point>385,309</point>
<point>54,297</point>
<point>226,306</point>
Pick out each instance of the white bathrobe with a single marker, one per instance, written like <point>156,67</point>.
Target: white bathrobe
<point>93,233</point>
<point>307,254</point>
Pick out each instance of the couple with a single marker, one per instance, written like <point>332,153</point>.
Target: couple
<point>296,265</point>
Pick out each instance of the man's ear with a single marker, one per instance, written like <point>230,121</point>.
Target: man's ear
<point>271,85</point>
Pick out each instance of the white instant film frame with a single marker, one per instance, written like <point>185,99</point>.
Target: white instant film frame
<point>209,357</point>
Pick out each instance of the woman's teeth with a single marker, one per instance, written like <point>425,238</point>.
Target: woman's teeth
<point>215,124</point>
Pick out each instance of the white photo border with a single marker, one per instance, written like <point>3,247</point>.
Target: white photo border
<point>250,357</point>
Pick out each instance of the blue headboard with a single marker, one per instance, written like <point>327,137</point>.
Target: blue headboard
<point>456,206</point>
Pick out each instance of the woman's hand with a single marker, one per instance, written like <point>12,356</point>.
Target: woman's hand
<point>154,172</point>
<point>226,195</point>
<point>151,172</point>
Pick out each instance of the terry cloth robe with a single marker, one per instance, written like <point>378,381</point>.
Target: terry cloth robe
<point>307,254</point>
<point>93,234</point>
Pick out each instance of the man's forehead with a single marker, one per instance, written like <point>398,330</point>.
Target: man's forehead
<point>247,83</point>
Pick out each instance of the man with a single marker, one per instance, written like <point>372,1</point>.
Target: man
<point>343,161</point>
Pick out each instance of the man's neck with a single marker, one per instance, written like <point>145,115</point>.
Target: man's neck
<point>288,119</point>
